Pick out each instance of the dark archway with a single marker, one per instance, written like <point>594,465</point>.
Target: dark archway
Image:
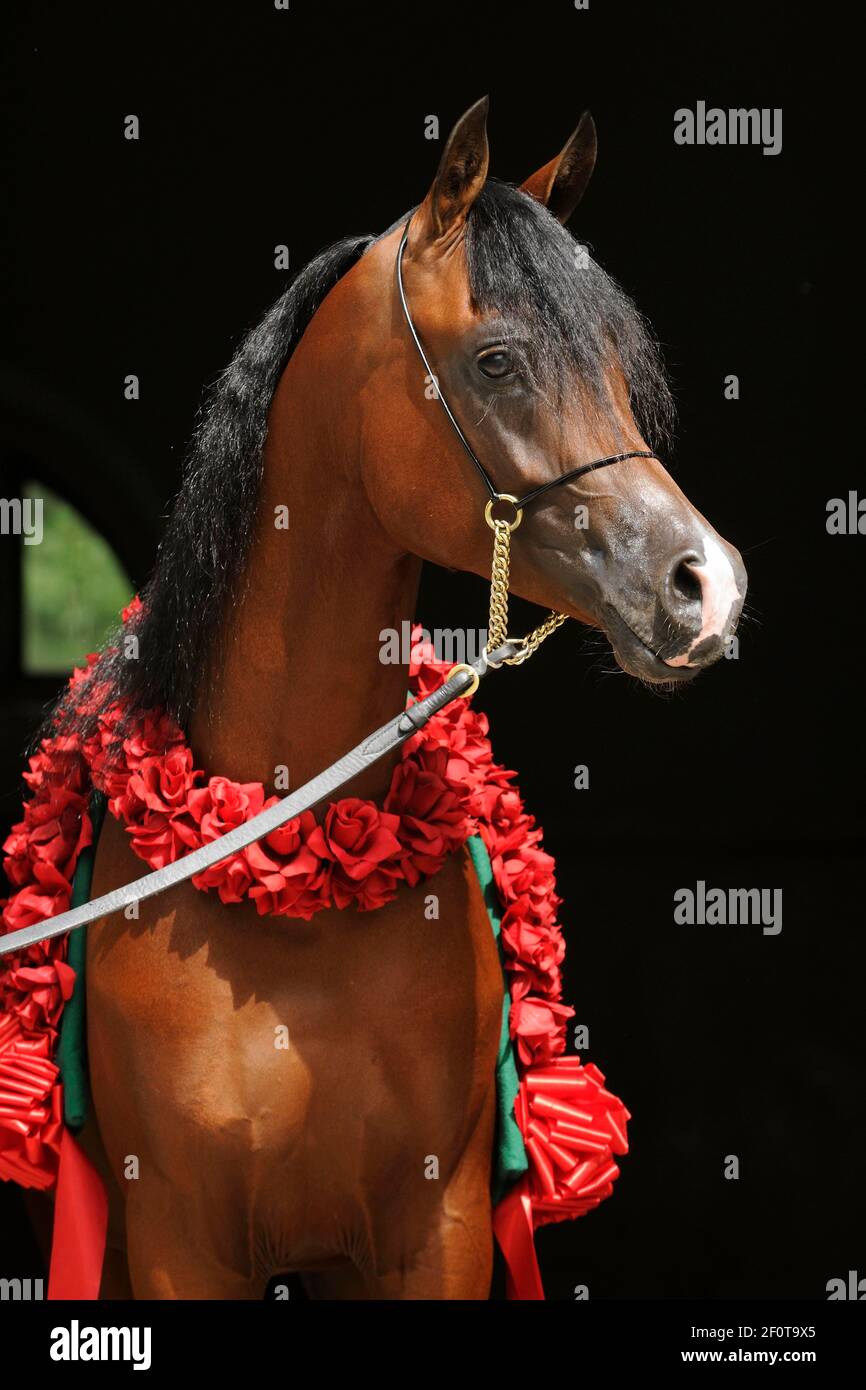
<point>44,436</point>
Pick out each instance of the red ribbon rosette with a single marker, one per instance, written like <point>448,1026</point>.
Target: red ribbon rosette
<point>572,1127</point>
<point>31,1112</point>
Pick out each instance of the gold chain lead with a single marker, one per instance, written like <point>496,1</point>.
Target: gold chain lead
<point>497,627</point>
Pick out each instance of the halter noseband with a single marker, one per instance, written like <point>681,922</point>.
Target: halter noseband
<point>502,527</point>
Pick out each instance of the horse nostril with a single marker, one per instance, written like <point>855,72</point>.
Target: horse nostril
<point>698,600</point>
<point>684,582</point>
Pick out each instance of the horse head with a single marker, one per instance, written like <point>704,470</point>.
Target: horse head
<point>547,365</point>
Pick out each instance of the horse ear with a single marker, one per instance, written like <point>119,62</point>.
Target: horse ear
<point>561,184</point>
<point>460,176</point>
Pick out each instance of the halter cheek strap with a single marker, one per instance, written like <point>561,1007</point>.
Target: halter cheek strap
<point>502,526</point>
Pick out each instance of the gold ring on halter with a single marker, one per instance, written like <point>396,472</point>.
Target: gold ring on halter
<point>503,497</point>
<point>476,679</point>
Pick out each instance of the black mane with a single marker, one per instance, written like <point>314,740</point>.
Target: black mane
<point>520,262</point>
<point>201,559</point>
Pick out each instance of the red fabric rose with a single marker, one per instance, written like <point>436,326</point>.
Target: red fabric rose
<point>17,865</point>
<point>163,783</point>
<point>156,837</point>
<point>432,821</point>
<point>500,806</point>
<point>426,672</point>
<point>534,952</point>
<point>290,880</point>
<point>230,877</point>
<point>538,1027</point>
<point>59,829</point>
<point>357,836</point>
<point>374,891</point>
<point>527,873</point>
<point>152,738</point>
<point>222,805</point>
<point>358,839</point>
<point>46,896</point>
<point>58,764</point>
<point>289,838</point>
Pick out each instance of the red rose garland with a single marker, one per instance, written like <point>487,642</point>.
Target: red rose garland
<point>446,788</point>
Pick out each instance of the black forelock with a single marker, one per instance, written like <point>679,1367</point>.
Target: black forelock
<point>576,319</point>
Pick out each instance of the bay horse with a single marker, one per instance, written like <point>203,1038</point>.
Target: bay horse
<point>263,642</point>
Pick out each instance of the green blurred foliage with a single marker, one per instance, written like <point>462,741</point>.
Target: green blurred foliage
<point>73,589</point>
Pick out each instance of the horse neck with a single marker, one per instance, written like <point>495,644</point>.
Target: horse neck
<point>301,679</point>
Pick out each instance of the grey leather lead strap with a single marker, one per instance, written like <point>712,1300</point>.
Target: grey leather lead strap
<point>374,747</point>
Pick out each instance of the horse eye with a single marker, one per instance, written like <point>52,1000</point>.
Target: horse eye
<point>496,363</point>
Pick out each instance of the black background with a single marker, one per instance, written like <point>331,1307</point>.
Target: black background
<point>261,127</point>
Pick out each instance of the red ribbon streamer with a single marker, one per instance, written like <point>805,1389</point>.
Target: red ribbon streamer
<point>513,1227</point>
<point>80,1225</point>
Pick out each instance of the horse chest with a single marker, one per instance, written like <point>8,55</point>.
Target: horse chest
<point>326,1054</point>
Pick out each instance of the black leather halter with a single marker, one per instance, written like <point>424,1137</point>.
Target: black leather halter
<point>535,493</point>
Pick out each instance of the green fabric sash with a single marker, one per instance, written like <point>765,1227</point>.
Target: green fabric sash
<point>509,1154</point>
<point>72,1044</point>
